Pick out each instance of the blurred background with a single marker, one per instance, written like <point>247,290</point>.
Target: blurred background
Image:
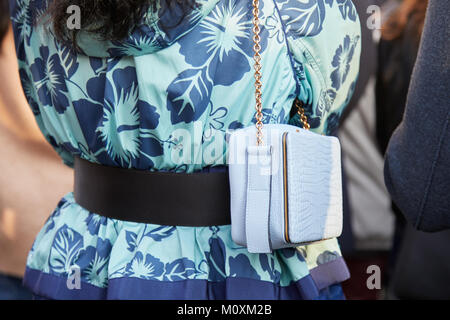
<point>413,264</point>
<point>32,176</point>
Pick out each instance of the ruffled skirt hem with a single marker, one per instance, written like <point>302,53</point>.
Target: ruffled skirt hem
<point>55,287</point>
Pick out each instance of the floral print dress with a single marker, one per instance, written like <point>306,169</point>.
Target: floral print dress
<point>121,104</point>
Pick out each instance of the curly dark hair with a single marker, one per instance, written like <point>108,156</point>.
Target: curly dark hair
<point>110,19</point>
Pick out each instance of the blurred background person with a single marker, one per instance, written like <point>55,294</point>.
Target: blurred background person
<point>400,39</point>
<point>32,178</point>
<point>397,52</point>
<point>369,227</point>
<point>375,231</point>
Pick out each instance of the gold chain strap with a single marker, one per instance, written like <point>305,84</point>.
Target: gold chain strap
<point>301,113</point>
<point>258,76</point>
<point>257,67</point>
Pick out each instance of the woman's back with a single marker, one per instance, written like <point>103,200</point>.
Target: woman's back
<point>122,104</point>
<point>164,100</point>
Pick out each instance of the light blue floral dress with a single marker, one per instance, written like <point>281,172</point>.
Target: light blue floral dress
<point>121,104</point>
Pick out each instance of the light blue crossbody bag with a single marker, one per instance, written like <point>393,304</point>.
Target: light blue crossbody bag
<point>285,181</point>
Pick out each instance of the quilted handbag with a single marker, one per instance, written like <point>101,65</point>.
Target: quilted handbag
<point>285,181</point>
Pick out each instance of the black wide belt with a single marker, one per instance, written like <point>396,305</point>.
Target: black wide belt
<point>163,198</point>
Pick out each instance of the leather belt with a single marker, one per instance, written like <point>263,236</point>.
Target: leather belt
<point>162,198</point>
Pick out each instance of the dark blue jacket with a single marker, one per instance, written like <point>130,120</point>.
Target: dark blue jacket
<point>417,169</point>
